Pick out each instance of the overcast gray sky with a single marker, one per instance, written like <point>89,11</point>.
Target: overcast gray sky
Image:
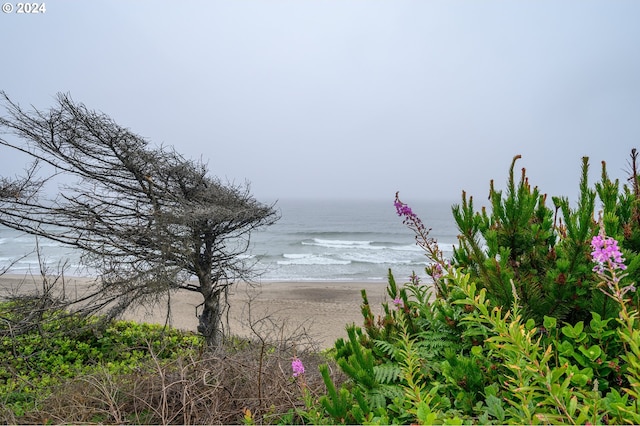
<point>348,98</point>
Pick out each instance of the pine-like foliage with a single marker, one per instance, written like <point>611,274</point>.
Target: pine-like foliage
<point>544,253</point>
<point>620,216</point>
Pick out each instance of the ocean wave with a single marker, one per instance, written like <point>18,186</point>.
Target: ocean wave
<point>336,243</point>
<point>371,245</point>
<point>359,245</point>
<point>379,260</point>
<point>310,259</point>
<point>334,235</point>
<point>371,258</point>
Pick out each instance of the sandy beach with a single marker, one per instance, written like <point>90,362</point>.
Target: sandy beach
<point>272,310</point>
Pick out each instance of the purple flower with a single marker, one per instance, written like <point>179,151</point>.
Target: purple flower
<point>436,271</point>
<point>398,302</point>
<point>297,367</point>
<point>403,209</point>
<point>606,252</point>
<point>408,216</point>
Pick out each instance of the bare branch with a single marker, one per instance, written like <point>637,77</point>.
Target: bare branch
<point>145,218</point>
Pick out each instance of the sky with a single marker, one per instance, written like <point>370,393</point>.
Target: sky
<point>347,99</point>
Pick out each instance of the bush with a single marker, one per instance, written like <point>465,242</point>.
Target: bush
<point>520,328</point>
<point>65,346</point>
<point>475,361</point>
<point>69,370</point>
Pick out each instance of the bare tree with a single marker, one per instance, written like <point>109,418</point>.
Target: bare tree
<point>145,218</point>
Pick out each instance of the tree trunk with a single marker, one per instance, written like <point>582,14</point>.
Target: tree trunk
<point>210,321</point>
<point>210,325</point>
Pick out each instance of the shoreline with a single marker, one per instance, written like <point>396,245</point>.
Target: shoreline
<point>273,310</point>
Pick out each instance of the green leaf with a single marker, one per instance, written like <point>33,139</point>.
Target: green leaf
<point>425,415</point>
<point>574,332</point>
<point>573,405</point>
<point>549,323</point>
<point>494,407</point>
<point>530,324</point>
<point>566,348</point>
<point>387,373</point>
<point>556,373</point>
<point>592,353</point>
<point>476,350</point>
<point>580,379</point>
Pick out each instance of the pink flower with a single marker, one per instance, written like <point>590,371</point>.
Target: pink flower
<point>436,271</point>
<point>409,218</point>
<point>398,302</point>
<point>606,252</point>
<point>297,367</point>
<point>413,222</point>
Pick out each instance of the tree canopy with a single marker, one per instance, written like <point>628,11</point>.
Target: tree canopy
<point>147,219</point>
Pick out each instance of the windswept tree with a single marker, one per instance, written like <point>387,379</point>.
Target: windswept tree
<point>145,218</point>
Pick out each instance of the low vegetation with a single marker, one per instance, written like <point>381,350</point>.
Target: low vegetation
<point>69,371</point>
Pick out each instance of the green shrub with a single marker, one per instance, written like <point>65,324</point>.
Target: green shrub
<point>516,373</point>
<point>64,346</point>
<point>521,328</point>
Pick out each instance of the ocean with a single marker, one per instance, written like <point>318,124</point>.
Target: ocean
<point>314,240</point>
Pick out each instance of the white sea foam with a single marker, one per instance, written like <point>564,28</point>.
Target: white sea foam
<point>295,255</point>
<point>310,259</point>
<point>412,247</point>
<point>359,245</point>
<point>383,258</point>
<point>339,244</point>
